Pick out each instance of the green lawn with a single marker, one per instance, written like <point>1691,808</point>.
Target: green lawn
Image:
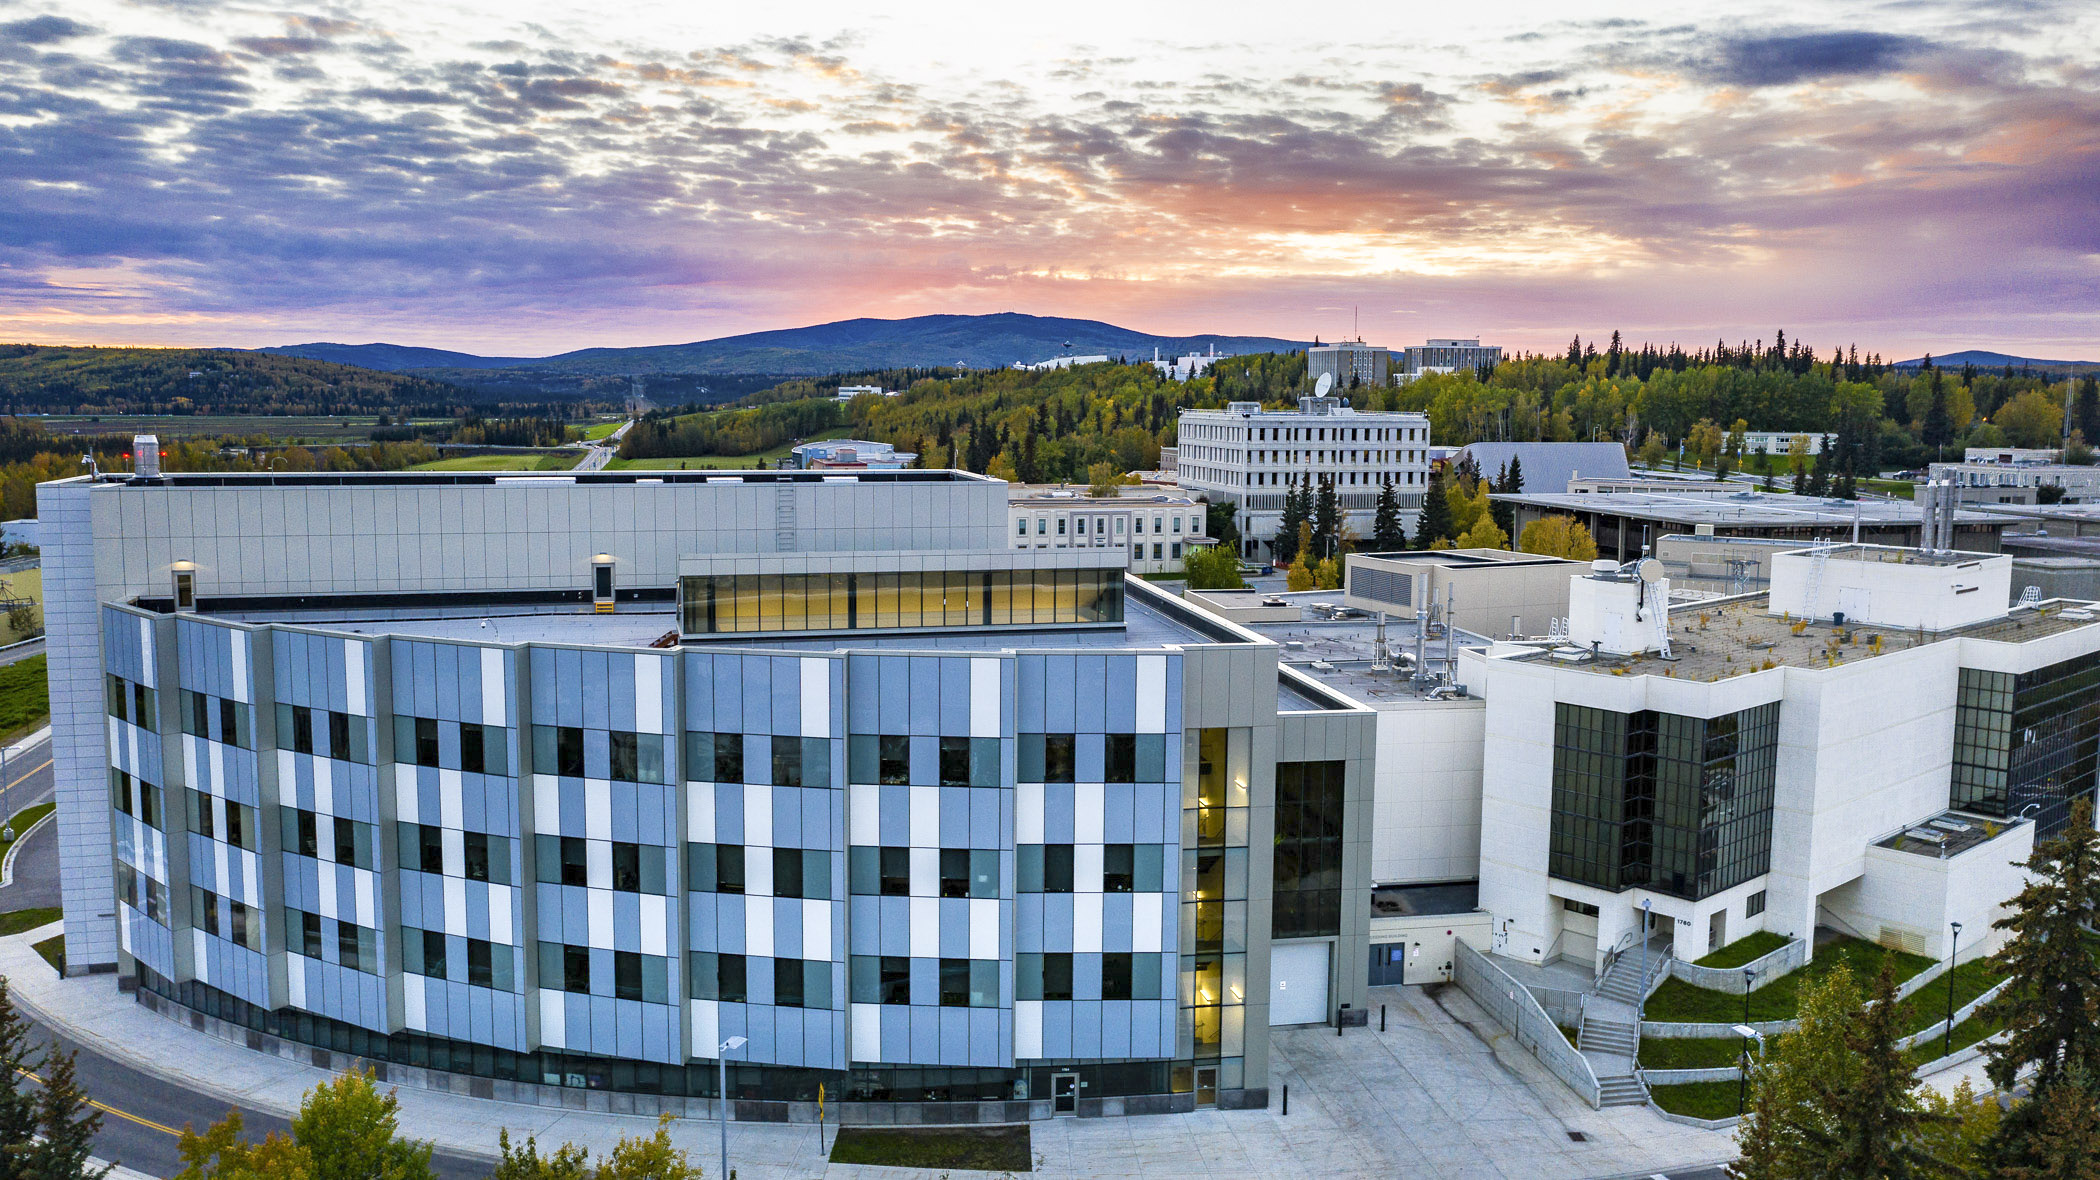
<point>725,462</point>
<point>1677,1000</point>
<point>54,951</point>
<point>1967,1033</point>
<point>25,697</point>
<point>1692,1052</point>
<point>602,429</point>
<point>16,921</point>
<point>985,1149</point>
<point>561,461</point>
<point>22,821</point>
<point>1929,1003</point>
<point>1700,1100</point>
<point>1900,488</point>
<point>1747,949</point>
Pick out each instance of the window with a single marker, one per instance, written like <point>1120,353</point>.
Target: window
<point>204,910</point>
<point>1118,868</point>
<point>1578,907</point>
<point>1116,975</point>
<point>576,969</point>
<point>712,975</point>
<point>714,868</point>
<point>472,756</point>
<point>637,868</point>
<point>801,983</point>
<point>896,980</point>
<point>200,814</point>
<point>1045,757</point>
<point>1754,904</point>
<point>627,975</point>
<point>802,872</point>
<point>637,757</point>
<point>1021,528</point>
<point>302,835</point>
<point>1045,976</point>
<point>310,935</point>
<point>714,757</point>
<point>426,741</point>
<point>1119,757</point>
<point>955,983</point>
<point>433,953</point>
<point>1043,868</point>
<point>481,963</point>
<point>346,843</point>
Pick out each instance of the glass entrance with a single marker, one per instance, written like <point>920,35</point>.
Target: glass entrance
<point>1064,1093</point>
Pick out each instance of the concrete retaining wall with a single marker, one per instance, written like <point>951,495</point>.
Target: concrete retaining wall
<point>1512,1006</point>
<point>1730,979</point>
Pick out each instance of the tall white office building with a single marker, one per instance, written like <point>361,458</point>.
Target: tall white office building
<point>1249,457</point>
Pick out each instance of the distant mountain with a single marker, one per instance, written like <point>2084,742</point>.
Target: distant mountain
<point>1998,360</point>
<point>980,341</point>
<point>393,358</point>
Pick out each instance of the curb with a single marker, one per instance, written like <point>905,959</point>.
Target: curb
<point>7,866</point>
<point>153,1068</point>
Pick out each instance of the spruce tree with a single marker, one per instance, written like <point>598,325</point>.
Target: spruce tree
<point>1870,1123</point>
<point>66,1127</point>
<point>18,1106</point>
<point>1514,480</point>
<point>1938,427</point>
<point>2053,1135</point>
<point>1388,534</point>
<point>1284,546</point>
<point>2086,406</point>
<point>2051,1010</point>
<point>1435,524</point>
<point>1327,523</point>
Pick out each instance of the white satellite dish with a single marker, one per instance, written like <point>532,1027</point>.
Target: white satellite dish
<point>1325,383</point>
<point>1649,570</point>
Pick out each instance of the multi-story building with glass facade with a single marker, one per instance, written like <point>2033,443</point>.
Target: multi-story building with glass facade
<point>525,781</point>
<point>1868,746</point>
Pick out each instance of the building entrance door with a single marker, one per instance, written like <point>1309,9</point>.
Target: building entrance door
<point>1717,931</point>
<point>1207,1085</point>
<point>1064,1093</point>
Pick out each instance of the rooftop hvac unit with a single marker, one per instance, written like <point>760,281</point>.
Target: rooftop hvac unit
<point>1951,825</point>
<point>1928,835</point>
<point>1322,666</point>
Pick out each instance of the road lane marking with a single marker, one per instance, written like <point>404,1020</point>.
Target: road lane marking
<point>106,1108</point>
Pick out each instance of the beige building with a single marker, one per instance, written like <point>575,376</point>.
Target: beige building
<point>1491,591</point>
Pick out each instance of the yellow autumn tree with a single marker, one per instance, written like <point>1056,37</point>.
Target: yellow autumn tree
<point>1559,536</point>
<point>1485,534</point>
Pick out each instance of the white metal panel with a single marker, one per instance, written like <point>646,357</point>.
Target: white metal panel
<point>1298,983</point>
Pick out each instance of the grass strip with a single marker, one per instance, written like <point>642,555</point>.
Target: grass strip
<point>981,1149</point>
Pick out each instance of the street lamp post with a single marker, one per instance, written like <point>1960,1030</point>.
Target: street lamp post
<point>722,1053</point>
<point>1743,1072</point>
<point>1947,1043</point>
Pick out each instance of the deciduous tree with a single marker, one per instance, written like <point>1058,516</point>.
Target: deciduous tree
<point>1559,536</point>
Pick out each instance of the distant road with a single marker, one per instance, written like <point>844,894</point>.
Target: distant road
<point>32,647</point>
<point>604,450</point>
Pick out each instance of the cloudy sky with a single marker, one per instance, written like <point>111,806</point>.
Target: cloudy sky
<point>530,177</point>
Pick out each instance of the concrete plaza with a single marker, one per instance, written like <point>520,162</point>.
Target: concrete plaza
<point>1440,1093</point>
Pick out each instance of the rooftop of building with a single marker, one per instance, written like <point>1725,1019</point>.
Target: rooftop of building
<point>1948,834</point>
<point>294,479</point>
<point>1151,619</point>
<point>1334,407</point>
<point>1344,654</point>
<point>1724,638</point>
<point>1464,558</point>
<point>1443,897</point>
<point>1047,494</point>
<point>1742,508</point>
<point>1548,466</point>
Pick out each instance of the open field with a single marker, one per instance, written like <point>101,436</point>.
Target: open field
<point>285,428</point>
<point>602,429</point>
<point>23,584</point>
<point>1677,1000</point>
<point>551,462</point>
<point>25,697</point>
<point>765,458</point>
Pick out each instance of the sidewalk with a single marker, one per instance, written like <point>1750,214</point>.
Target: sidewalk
<point>1442,1093</point>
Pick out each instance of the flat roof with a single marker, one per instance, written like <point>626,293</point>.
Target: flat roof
<point>1737,508</point>
<point>1720,639</point>
<point>1349,648</point>
<point>295,479</point>
<point>1950,833</point>
<point>1145,625</point>
<point>1468,557</point>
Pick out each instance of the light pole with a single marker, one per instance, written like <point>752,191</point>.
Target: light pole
<point>1641,1005</point>
<point>722,1053</point>
<point>1743,1072</point>
<point>1947,1043</point>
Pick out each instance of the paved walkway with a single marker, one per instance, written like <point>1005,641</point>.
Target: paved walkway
<point>1441,1093</point>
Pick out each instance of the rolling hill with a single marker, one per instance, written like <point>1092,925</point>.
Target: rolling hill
<point>1998,360</point>
<point>69,380</point>
<point>979,341</point>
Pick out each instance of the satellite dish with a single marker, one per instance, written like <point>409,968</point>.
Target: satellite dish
<point>1325,383</point>
<point>1649,570</point>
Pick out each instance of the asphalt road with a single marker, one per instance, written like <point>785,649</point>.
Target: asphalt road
<point>34,647</point>
<point>36,866</point>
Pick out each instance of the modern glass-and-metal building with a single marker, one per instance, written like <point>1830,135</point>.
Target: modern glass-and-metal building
<point>510,782</point>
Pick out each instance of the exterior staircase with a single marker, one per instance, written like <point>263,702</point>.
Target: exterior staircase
<point>1611,1032</point>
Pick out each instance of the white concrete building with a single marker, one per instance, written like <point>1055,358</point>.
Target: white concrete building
<point>1447,356</point>
<point>1249,457</point>
<point>1187,365</point>
<point>1060,362</point>
<point>1781,442</point>
<point>1156,527</point>
<point>2011,455</point>
<point>1351,363</point>
<point>1776,769</point>
<point>2019,483</point>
